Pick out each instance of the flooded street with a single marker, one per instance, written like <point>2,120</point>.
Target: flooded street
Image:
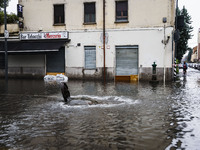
<point>33,115</point>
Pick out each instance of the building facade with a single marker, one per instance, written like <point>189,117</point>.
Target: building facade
<point>198,46</point>
<point>137,34</point>
<point>194,56</point>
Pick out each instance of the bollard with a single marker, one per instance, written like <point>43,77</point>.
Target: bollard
<point>154,76</point>
<point>154,68</point>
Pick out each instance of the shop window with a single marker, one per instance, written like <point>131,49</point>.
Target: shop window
<point>90,57</point>
<point>59,15</point>
<point>121,11</point>
<point>89,13</point>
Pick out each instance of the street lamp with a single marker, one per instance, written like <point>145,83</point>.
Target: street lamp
<point>6,35</point>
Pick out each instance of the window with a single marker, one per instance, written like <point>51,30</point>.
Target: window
<point>121,11</point>
<point>59,15</point>
<point>90,57</point>
<point>89,13</point>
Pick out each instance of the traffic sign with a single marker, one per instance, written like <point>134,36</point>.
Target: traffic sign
<point>6,34</point>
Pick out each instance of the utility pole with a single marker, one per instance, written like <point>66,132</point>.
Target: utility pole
<point>104,41</point>
<point>176,29</point>
<point>6,34</point>
<point>176,38</point>
<point>165,43</point>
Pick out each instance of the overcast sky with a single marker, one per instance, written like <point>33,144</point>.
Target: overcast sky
<point>12,6</point>
<point>191,5</point>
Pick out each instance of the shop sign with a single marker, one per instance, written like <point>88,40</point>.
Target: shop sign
<point>20,10</point>
<point>43,35</point>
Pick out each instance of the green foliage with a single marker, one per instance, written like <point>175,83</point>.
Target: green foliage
<point>185,34</point>
<point>2,4</point>
<point>177,68</point>
<point>11,18</point>
<point>1,17</point>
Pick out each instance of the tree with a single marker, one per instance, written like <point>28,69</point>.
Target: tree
<point>2,4</point>
<point>185,34</point>
<point>11,18</point>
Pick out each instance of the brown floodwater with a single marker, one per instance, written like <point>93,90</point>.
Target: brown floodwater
<point>33,115</point>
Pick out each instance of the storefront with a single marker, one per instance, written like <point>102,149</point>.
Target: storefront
<point>36,54</point>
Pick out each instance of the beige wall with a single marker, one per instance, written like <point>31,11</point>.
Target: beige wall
<point>38,14</point>
<point>12,28</point>
<point>194,57</point>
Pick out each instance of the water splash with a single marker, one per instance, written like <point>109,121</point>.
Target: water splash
<point>85,101</point>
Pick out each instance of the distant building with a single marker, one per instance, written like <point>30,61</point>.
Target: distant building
<point>198,49</point>
<point>138,33</point>
<point>194,56</point>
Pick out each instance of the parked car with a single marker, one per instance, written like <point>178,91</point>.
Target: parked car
<point>198,66</point>
<point>190,65</point>
<point>180,66</point>
<point>195,66</point>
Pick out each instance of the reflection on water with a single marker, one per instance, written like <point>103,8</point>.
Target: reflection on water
<point>186,110</point>
<point>33,115</point>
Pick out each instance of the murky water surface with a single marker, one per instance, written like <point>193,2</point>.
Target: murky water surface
<point>33,115</point>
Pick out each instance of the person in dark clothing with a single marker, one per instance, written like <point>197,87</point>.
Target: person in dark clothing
<point>185,67</point>
<point>65,92</point>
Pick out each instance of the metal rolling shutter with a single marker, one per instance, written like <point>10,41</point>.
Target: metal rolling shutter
<point>90,57</point>
<point>126,60</point>
<point>55,61</point>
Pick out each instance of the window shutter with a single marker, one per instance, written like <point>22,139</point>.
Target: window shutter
<point>90,57</point>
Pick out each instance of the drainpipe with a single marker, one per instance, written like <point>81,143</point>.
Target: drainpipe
<point>165,43</point>
<point>104,51</point>
<point>6,52</point>
<point>164,54</point>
